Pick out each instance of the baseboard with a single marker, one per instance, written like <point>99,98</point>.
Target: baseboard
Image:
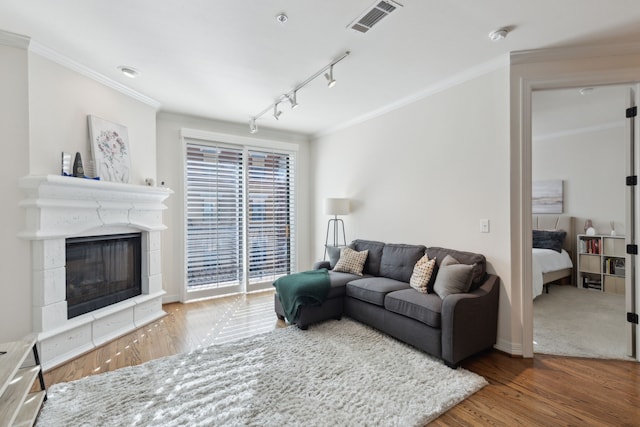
<point>509,348</point>
<point>167,299</point>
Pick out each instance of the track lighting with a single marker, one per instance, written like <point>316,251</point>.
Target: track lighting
<point>292,99</point>
<point>276,112</point>
<point>331,82</point>
<point>292,95</point>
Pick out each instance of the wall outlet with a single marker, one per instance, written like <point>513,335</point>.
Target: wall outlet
<point>484,225</point>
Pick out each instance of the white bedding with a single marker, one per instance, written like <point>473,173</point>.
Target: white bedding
<point>544,261</point>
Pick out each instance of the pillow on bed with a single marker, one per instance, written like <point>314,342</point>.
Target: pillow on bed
<point>549,239</point>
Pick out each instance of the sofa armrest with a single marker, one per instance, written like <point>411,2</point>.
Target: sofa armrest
<point>470,321</point>
<point>322,264</point>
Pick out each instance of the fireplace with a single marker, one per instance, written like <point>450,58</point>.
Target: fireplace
<point>100,271</point>
<point>65,214</point>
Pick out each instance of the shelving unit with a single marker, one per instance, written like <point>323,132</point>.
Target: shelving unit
<point>19,407</point>
<point>601,263</point>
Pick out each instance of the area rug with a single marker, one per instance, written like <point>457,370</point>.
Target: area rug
<point>570,321</point>
<point>337,373</point>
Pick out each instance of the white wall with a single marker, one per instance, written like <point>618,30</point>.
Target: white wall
<point>59,102</point>
<point>171,170</point>
<point>582,140</point>
<point>427,173</point>
<point>593,170</point>
<point>44,108</point>
<point>15,260</point>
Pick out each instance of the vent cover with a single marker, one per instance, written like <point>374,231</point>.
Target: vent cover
<point>373,15</point>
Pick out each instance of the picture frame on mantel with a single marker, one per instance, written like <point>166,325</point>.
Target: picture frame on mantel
<point>110,149</point>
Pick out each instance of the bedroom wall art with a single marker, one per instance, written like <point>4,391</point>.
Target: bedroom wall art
<point>110,147</point>
<point>547,196</point>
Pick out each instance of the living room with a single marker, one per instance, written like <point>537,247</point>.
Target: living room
<point>421,168</point>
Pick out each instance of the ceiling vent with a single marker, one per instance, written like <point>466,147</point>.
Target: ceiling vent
<point>373,15</point>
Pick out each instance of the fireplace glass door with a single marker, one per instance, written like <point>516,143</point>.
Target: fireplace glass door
<point>102,270</point>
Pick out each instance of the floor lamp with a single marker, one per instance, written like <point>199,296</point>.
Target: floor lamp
<point>335,207</point>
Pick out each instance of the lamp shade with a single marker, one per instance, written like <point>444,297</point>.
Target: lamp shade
<point>336,206</point>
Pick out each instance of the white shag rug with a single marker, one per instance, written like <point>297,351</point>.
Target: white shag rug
<point>337,373</point>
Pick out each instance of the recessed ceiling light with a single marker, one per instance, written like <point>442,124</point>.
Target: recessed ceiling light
<point>586,91</point>
<point>130,72</point>
<point>498,34</point>
<point>282,18</point>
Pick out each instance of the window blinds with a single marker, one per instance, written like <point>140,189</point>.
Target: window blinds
<point>214,215</point>
<point>270,194</point>
<point>233,193</point>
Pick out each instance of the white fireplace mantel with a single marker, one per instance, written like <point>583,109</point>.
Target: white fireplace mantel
<point>62,206</point>
<point>59,207</point>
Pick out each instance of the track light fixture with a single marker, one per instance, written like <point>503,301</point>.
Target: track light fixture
<point>292,100</point>
<point>276,113</point>
<point>331,82</point>
<point>291,96</point>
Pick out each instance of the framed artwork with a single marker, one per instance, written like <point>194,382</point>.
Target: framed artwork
<point>110,148</point>
<point>547,197</point>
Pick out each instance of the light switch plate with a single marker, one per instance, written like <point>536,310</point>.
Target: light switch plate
<point>484,225</point>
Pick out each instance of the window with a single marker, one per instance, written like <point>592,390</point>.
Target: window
<point>239,217</point>
<point>269,192</point>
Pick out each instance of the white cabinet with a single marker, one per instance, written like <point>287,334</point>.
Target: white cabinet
<point>601,262</point>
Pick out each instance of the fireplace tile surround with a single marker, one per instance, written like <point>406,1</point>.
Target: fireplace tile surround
<point>59,207</point>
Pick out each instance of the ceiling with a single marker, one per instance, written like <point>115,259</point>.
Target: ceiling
<point>229,60</point>
<point>571,111</point>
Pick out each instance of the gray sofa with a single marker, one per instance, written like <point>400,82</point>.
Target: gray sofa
<point>452,328</point>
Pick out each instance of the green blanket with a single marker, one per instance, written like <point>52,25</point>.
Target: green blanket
<point>298,289</point>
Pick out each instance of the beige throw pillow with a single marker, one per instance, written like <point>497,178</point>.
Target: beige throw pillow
<point>422,272</point>
<point>351,261</point>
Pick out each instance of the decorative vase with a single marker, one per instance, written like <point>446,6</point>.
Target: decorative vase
<point>591,231</point>
<point>78,170</point>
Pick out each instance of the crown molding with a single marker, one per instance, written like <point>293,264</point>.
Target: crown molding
<point>14,40</point>
<point>69,63</point>
<point>580,131</point>
<point>455,80</point>
<point>576,52</point>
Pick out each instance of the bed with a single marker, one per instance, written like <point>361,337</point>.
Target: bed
<point>549,265</point>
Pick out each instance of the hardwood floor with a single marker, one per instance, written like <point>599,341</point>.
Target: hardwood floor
<point>544,391</point>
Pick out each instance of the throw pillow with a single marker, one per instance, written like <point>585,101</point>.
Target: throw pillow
<point>453,277</point>
<point>549,239</point>
<point>351,261</point>
<point>422,272</point>
<point>334,255</point>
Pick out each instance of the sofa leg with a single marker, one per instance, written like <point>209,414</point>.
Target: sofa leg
<point>338,317</point>
<point>303,327</point>
<point>451,365</point>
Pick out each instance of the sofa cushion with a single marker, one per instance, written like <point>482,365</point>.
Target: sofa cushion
<point>372,264</point>
<point>339,282</point>
<point>351,261</point>
<point>398,260</point>
<point>374,289</point>
<point>453,277</point>
<point>477,260</point>
<point>425,308</point>
<point>422,273</point>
